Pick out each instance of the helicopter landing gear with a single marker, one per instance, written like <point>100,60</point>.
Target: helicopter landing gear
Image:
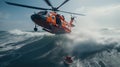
<point>35,29</point>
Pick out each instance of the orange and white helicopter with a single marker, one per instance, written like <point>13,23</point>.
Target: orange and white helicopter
<point>49,19</point>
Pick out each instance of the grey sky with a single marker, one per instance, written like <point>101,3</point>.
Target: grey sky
<point>103,13</point>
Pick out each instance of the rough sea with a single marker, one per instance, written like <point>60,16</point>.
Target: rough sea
<point>95,48</point>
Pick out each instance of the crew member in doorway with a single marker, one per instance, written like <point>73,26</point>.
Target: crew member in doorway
<point>58,21</point>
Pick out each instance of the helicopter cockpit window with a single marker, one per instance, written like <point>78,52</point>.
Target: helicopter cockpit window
<point>42,12</point>
<point>53,17</point>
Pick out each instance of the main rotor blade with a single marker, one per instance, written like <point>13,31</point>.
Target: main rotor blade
<point>62,3</point>
<point>21,5</point>
<point>71,13</point>
<point>49,3</point>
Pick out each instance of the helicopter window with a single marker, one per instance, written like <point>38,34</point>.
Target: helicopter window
<point>42,12</point>
<point>53,17</point>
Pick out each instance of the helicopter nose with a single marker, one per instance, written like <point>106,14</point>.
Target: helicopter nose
<point>37,17</point>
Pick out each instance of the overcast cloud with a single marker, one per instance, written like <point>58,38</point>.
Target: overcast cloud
<point>99,13</point>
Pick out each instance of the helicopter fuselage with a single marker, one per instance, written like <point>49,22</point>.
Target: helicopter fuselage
<point>51,23</point>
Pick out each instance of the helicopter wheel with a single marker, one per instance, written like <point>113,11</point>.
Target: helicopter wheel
<point>35,29</point>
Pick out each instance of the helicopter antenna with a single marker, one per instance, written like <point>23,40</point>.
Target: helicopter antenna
<point>34,12</point>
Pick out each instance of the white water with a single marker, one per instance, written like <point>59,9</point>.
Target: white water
<point>82,41</point>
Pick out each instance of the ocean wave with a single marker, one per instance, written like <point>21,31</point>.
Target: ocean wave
<point>90,48</point>
<point>29,34</point>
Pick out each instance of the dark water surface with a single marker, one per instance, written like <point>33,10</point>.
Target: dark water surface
<point>29,49</point>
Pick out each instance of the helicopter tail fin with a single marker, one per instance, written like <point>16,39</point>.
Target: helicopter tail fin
<point>71,22</point>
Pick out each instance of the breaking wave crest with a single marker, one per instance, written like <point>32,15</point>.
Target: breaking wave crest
<point>99,48</point>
